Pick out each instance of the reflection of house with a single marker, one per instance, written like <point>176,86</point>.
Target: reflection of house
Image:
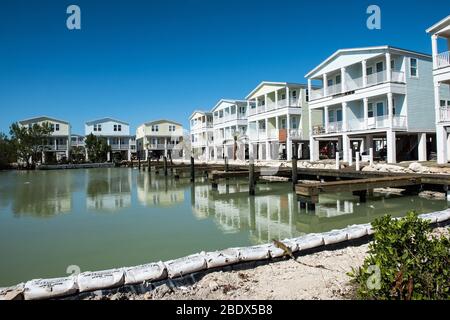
<point>341,207</point>
<point>440,32</point>
<point>156,191</point>
<point>110,191</point>
<point>203,204</point>
<point>58,141</point>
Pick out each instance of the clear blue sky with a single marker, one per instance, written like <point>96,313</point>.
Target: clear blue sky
<point>139,60</point>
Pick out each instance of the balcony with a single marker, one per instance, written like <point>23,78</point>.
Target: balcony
<point>444,114</point>
<point>359,124</point>
<point>271,105</point>
<point>358,83</point>
<point>59,147</point>
<point>120,147</point>
<point>442,60</point>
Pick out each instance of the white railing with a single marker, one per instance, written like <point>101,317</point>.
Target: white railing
<point>398,76</point>
<point>270,106</point>
<point>353,84</point>
<point>443,59</point>
<point>376,78</point>
<point>296,134</point>
<point>356,124</point>
<point>334,89</point>
<point>273,134</point>
<point>252,111</point>
<point>260,109</point>
<point>335,127</point>
<point>444,114</point>
<point>316,94</point>
<point>254,135</point>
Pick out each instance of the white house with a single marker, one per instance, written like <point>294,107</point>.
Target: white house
<point>201,129</point>
<point>159,138</point>
<point>440,40</point>
<point>373,97</point>
<point>230,123</point>
<point>58,144</point>
<point>277,118</point>
<point>77,140</point>
<point>116,133</point>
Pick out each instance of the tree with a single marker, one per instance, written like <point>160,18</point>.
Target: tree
<point>78,154</point>
<point>30,141</point>
<point>7,154</point>
<point>97,148</point>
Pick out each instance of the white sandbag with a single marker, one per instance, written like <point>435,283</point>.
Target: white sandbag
<point>260,252</point>
<point>147,272</point>
<point>369,228</point>
<point>443,215</point>
<point>430,217</point>
<point>89,281</point>
<point>221,258</point>
<point>276,252</point>
<point>13,292</point>
<point>50,288</point>
<point>334,236</point>
<point>356,231</point>
<point>309,241</point>
<point>182,266</point>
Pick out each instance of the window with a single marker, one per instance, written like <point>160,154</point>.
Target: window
<point>52,127</point>
<point>57,127</point>
<point>115,127</point>
<point>283,96</point>
<point>307,95</point>
<point>379,66</point>
<point>330,82</point>
<point>370,110</point>
<point>155,128</point>
<point>330,116</point>
<point>339,115</point>
<point>119,127</point>
<point>413,67</point>
<point>294,123</point>
<point>283,123</point>
<point>369,70</point>
<point>294,94</point>
<point>338,79</point>
<point>392,64</point>
<point>99,127</point>
<point>380,109</point>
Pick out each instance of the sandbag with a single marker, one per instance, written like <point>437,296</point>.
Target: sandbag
<point>89,281</point>
<point>443,216</point>
<point>369,228</point>
<point>182,266</point>
<point>276,252</point>
<point>13,292</point>
<point>356,231</point>
<point>309,241</point>
<point>334,236</point>
<point>430,217</point>
<point>50,288</point>
<point>260,252</point>
<point>221,258</point>
<point>147,272</point>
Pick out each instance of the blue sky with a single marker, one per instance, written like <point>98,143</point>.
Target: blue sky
<point>139,60</point>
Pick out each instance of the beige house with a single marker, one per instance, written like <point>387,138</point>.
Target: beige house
<point>159,138</point>
<point>59,141</point>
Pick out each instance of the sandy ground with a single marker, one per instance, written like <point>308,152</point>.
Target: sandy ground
<point>318,276</point>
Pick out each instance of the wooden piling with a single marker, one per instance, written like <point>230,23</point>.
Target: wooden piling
<point>251,178</point>
<point>226,163</point>
<point>192,169</point>
<point>294,171</point>
<point>165,166</point>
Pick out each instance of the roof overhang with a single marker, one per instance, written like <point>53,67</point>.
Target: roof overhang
<point>440,26</point>
<point>272,84</point>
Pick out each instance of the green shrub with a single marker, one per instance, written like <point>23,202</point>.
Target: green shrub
<point>404,262</point>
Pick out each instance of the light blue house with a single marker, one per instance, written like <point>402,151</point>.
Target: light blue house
<point>373,98</point>
<point>117,135</point>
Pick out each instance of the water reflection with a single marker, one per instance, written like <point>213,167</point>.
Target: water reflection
<point>108,189</point>
<point>155,190</point>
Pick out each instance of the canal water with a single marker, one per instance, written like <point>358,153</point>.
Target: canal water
<point>54,222</point>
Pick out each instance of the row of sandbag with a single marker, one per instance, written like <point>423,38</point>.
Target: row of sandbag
<point>90,281</point>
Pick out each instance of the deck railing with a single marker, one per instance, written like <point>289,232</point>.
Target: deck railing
<point>443,59</point>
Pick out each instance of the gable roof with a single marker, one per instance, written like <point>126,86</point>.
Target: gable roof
<point>231,101</point>
<point>269,83</point>
<point>364,49</point>
<point>101,120</point>
<point>437,26</point>
<point>41,118</point>
<point>206,113</point>
<point>161,121</point>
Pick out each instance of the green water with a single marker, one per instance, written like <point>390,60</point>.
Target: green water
<point>106,218</point>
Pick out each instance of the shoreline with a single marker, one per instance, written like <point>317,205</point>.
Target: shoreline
<point>142,279</point>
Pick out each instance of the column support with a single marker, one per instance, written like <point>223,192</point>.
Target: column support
<point>422,137</point>
<point>388,67</point>
<point>391,146</point>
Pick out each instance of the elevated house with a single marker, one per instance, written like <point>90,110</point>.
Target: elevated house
<point>201,131</point>
<point>373,97</point>
<point>440,43</point>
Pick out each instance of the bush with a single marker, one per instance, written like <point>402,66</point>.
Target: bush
<point>404,262</point>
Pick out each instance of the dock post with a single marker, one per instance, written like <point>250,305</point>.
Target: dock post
<point>338,166</point>
<point>192,169</point>
<point>294,171</point>
<point>251,178</point>
<point>350,157</point>
<point>225,159</point>
<point>139,161</point>
<point>357,161</point>
<point>165,166</point>
<point>371,156</point>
